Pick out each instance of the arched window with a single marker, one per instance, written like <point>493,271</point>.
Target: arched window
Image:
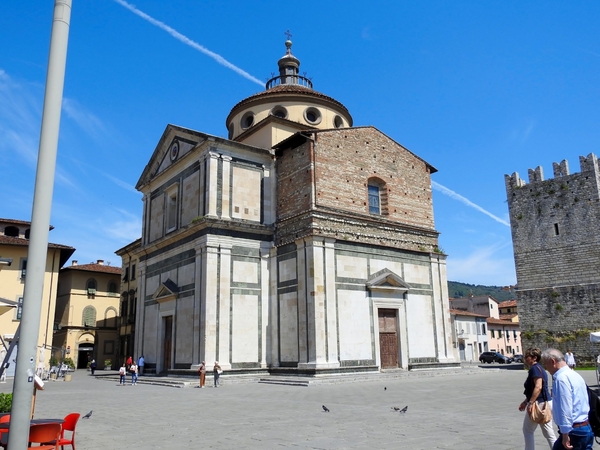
<point>91,287</point>
<point>110,317</point>
<point>89,316</point>
<point>112,287</point>
<point>378,197</point>
<point>11,231</point>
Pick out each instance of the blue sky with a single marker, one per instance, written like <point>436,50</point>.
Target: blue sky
<point>478,89</point>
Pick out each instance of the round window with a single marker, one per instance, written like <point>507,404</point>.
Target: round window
<point>312,116</point>
<point>279,111</point>
<point>338,122</point>
<point>247,120</point>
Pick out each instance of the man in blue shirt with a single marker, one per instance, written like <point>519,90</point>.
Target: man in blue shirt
<point>570,407</point>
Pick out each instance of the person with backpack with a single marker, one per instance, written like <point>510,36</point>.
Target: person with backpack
<point>122,374</point>
<point>536,391</point>
<point>570,408</point>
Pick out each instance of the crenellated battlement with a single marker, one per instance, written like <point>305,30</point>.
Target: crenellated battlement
<point>587,164</point>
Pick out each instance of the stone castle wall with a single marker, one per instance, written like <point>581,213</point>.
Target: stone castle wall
<point>554,226</point>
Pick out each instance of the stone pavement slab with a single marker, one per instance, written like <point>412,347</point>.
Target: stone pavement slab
<point>471,410</point>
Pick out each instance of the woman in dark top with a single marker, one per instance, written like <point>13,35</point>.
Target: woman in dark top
<point>536,390</point>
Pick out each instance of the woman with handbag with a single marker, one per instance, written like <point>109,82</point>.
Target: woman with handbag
<point>217,373</point>
<point>538,401</point>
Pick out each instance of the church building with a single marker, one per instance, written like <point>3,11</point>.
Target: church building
<point>301,244</point>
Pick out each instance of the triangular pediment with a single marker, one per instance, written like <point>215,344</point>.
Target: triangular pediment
<point>386,280</point>
<point>173,145</point>
<point>167,290</point>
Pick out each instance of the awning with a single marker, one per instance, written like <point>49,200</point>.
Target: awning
<point>6,305</point>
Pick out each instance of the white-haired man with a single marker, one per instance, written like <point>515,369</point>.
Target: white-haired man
<point>570,407</point>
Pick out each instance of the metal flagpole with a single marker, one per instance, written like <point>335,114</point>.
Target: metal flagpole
<point>40,224</point>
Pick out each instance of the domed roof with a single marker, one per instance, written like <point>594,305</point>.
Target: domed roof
<point>288,82</point>
<point>284,90</point>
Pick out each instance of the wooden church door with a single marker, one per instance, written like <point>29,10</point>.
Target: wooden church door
<point>388,338</point>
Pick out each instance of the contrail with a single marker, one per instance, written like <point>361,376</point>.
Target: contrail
<point>188,41</point>
<point>466,201</point>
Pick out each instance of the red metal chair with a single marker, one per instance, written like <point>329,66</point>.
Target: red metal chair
<point>68,425</point>
<point>4,435</point>
<point>42,433</point>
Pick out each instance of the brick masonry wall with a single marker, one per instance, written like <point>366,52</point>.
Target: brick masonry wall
<point>345,160</point>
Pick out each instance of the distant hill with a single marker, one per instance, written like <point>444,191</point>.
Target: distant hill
<point>456,290</point>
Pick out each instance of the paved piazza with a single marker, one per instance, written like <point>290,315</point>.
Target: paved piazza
<point>476,409</point>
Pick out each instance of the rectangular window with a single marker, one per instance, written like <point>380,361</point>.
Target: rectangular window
<point>171,207</point>
<point>133,271</point>
<point>515,334</point>
<point>374,204</point>
<point>19,308</point>
<point>126,275</point>
<point>556,233</point>
<point>493,334</point>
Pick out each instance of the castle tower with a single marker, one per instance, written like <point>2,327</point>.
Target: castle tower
<point>556,244</point>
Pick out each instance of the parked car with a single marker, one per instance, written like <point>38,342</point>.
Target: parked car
<point>518,358</point>
<point>490,357</point>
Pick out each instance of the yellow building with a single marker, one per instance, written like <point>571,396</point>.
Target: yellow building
<point>87,306</point>
<point>14,244</point>
<point>130,263</point>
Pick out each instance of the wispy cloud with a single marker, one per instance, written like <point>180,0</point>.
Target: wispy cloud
<point>521,134</point>
<point>85,119</point>
<point>121,183</point>
<point>187,41</point>
<point>450,193</point>
<point>491,265</point>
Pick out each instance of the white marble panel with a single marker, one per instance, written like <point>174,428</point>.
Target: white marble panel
<point>152,284</point>
<point>156,217</point>
<point>287,270</point>
<point>244,345</point>
<point>184,330</point>
<point>351,267</point>
<point>186,274</point>
<point>379,264</point>
<point>421,339</point>
<point>288,326</point>
<point>414,273</point>
<point>190,198</point>
<point>245,193</point>
<point>355,325</point>
<point>245,272</point>
<point>151,342</point>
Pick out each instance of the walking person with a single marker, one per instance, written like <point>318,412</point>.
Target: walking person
<point>129,362</point>
<point>93,366</point>
<point>122,374</point>
<point>133,369</point>
<point>141,362</point>
<point>217,371</point>
<point>570,407</point>
<point>202,373</point>
<point>536,390</point>
<point>570,359</point>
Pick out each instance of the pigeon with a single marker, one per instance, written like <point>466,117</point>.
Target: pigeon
<point>88,415</point>
<point>395,408</point>
<point>385,388</point>
<point>403,410</point>
<point>325,408</point>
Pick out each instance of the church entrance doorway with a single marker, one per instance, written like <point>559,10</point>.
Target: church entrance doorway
<point>167,338</point>
<point>388,338</point>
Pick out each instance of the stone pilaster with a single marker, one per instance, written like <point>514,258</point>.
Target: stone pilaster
<point>226,183</point>
<point>224,306</point>
<point>212,184</point>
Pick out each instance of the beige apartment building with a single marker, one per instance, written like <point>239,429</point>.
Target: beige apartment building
<point>87,306</point>
<point>14,244</point>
